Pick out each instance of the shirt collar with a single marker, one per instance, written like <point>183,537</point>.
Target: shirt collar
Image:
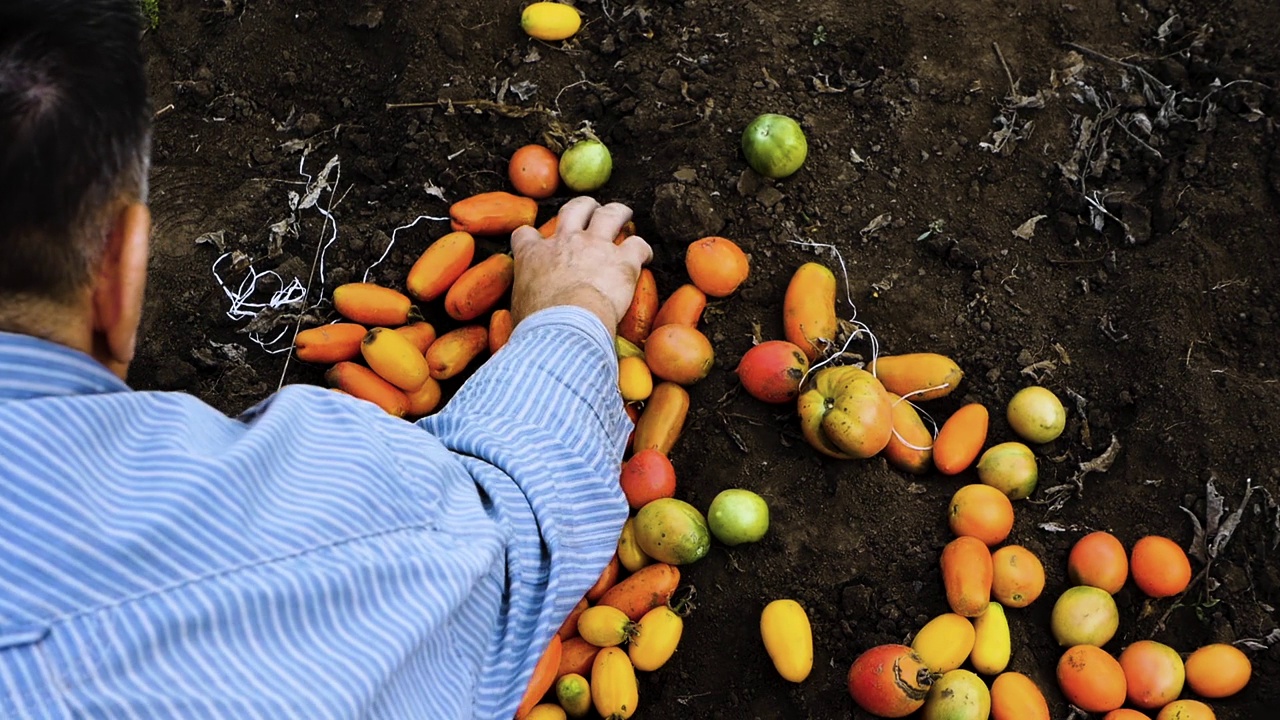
<point>31,368</point>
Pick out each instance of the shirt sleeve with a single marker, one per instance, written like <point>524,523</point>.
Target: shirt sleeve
<point>541,429</point>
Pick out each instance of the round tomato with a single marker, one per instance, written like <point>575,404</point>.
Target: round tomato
<point>738,516</point>
<point>1036,414</point>
<point>534,172</point>
<point>647,476</point>
<point>774,145</point>
<point>586,166</point>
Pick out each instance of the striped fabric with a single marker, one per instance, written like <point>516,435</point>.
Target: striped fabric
<point>314,558</point>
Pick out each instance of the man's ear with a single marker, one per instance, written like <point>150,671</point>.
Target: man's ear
<point>121,285</point>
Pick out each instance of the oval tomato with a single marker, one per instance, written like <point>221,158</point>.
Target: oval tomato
<point>534,172</point>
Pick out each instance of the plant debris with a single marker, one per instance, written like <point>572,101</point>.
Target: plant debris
<point>1058,495</point>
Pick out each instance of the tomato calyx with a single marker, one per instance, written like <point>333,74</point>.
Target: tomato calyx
<point>918,688</point>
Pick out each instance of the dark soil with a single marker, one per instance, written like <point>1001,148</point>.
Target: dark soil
<point>1159,320</point>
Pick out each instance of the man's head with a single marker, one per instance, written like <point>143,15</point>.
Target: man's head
<point>74,144</point>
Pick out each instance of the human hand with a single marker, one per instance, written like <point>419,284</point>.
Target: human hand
<point>579,265</point>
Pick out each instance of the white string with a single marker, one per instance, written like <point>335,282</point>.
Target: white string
<point>391,244</point>
<point>904,442</point>
<point>241,304</point>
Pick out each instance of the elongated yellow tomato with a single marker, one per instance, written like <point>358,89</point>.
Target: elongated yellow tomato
<point>550,21</point>
<point>922,376</point>
<point>634,379</point>
<point>788,639</point>
<point>613,685</point>
<point>546,711</point>
<point>605,626</point>
<point>629,552</point>
<point>395,358</point>
<point>846,413</point>
<point>991,643</point>
<point>573,692</point>
<point>657,635</point>
<point>944,643</point>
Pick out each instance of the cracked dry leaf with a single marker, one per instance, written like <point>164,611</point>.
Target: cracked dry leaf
<point>877,223</point>
<point>1028,228</point>
<point>217,238</point>
<point>1210,538</point>
<point>318,186</point>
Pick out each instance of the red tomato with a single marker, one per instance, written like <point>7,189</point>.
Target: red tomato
<point>889,681</point>
<point>647,476</point>
<point>534,172</point>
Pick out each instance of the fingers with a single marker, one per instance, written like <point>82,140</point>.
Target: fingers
<point>607,221</point>
<point>575,215</point>
<point>521,238</point>
<point>637,250</point>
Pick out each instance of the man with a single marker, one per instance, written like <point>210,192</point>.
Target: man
<point>315,558</point>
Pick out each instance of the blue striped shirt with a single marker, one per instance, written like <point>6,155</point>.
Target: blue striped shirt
<point>313,558</point>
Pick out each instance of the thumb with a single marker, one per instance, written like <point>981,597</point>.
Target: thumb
<point>522,237</point>
<point>636,250</point>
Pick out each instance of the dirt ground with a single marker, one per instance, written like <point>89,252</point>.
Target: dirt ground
<point>1142,133</point>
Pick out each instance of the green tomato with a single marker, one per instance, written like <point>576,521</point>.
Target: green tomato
<point>1010,468</point>
<point>586,166</point>
<point>775,145</point>
<point>672,531</point>
<point>1084,615</point>
<point>738,516</point>
<point>1036,414</point>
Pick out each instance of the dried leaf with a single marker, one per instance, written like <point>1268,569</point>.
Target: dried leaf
<point>217,238</point>
<point>1228,528</point>
<point>434,190</point>
<point>1197,549</point>
<point>318,186</point>
<point>876,223</point>
<point>1272,638</point>
<point>1028,228</point>
<point>524,89</point>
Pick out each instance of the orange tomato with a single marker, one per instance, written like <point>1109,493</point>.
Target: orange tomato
<point>1125,714</point>
<point>647,476</point>
<point>1091,679</point>
<point>716,265</point>
<point>1218,671</point>
<point>608,578</point>
<point>1017,576</point>
<point>1014,696</point>
<point>1153,674</point>
<point>966,575</point>
<point>1098,559</point>
<point>1186,710</point>
<point>534,172</point>
<point>679,353</point>
<point>960,439</point>
<point>1160,568</point>
<point>982,512</point>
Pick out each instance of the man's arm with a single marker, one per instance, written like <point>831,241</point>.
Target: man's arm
<point>541,429</point>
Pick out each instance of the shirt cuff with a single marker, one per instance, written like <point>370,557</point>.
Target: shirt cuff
<point>558,372</point>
